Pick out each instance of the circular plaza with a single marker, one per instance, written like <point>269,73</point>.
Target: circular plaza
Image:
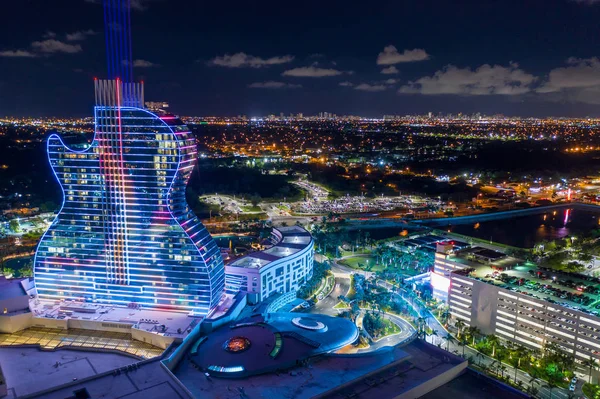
<point>259,345</point>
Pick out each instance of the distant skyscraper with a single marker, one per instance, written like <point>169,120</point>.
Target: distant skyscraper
<point>125,233</point>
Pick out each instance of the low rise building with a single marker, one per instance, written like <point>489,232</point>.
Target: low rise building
<point>281,268</point>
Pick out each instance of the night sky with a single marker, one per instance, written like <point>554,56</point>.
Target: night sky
<point>369,58</point>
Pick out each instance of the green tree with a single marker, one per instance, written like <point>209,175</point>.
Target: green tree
<point>463,342</point>
<point>14,225</point>
<point>472,333</point>
<point>493,341</point>
<point>459,325</point>
<point>592,364</point>
<point>449,338</point>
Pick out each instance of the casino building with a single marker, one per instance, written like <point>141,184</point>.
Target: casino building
<point>125,234</point>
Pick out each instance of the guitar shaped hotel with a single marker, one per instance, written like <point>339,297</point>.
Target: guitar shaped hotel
<point>125,233</point>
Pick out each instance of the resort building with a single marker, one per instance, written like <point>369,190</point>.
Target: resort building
<point>125,235</point>
<point>280,269</point>
<point>521,302</point>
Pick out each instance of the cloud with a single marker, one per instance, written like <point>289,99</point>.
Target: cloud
<point>312,72</point>
<point>391,70</point>
<point>587,2</point>
<point>55,46</point>
<point>346,84</point>
<point>143,64</point>
<point>243,60</point>
<point>77,36</point>
<point>50,45</point>
<point>579,81</point>
<point>391,81</point>
<point>580,73</point>
<point>140,5</point>
<point>368,87</point>
<point>390,56</point>
<point>17,53</point>
<point>273,85</point>
<point>485,80</point>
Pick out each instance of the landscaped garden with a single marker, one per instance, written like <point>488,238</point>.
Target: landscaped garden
<point>367,263</point>
<point>591,391</point>
<point>378,326</point>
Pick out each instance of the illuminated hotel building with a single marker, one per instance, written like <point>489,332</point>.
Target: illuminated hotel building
<point>125,233</point>
<point>280,269</point>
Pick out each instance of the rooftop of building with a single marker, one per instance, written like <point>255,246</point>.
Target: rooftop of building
<point>290,240</point>
<point>11,288</point>
<point>473,385</point>
<point>477,257</point>
<point>88,372</point>
<point>383,374</point>
<point>258,344</point>
<point>575,291</point>
<point>29,370</point>
<point>177,324</point>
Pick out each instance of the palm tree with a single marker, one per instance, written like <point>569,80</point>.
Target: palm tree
<point>459,325</point>
<point>500,355</point>
<point>514,361</point>
<point>472,332</point>
<point>501,369</point>
<point>535,374</point>
<point>592,364</point>
<point>552,383</point>
<point>420,325</point>
<point>462,342</point>
<point>449,338</point>
<point>480,356</point>
<point>493,341</point>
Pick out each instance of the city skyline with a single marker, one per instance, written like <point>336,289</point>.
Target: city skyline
<point>493,58</point>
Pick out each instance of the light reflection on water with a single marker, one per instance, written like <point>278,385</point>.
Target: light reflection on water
<point>526,231</point>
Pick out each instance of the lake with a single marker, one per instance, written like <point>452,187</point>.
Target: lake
<point>526,231</point>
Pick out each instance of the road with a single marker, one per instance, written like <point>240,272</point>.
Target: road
<point>325,305</point>
<point>406,331</point>
<point>342,286</point>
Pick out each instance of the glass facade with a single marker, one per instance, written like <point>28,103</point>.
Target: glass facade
<point>125,233</point>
